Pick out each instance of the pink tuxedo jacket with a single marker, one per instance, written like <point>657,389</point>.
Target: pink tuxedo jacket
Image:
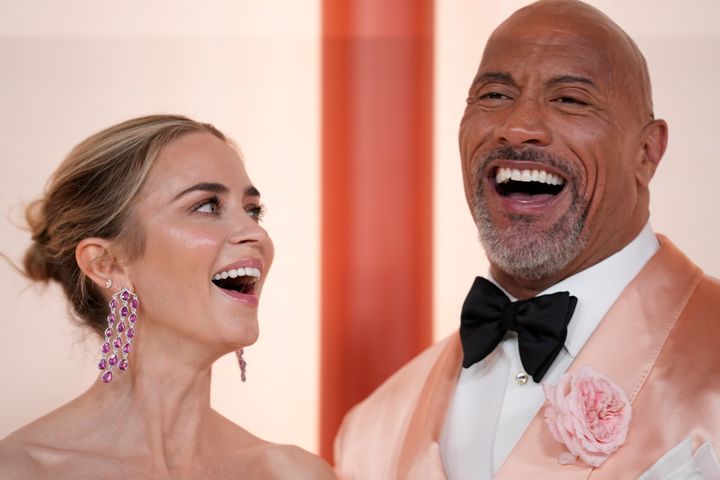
<point>660,342</point>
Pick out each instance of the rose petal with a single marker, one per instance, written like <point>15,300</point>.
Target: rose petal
<point>570,441</point>
<point>567,458</point>
<point>592,460</point>
<point>550,393</point>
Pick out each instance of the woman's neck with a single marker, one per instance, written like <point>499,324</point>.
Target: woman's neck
<point>159,407</point>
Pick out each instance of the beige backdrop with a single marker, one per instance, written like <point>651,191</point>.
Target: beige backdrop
<point>252,68</point>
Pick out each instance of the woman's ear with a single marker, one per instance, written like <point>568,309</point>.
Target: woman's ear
<point>656,136</point>
<point>97,260</point>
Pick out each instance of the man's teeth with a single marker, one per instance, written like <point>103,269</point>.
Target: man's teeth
<point>504,175</point>
<point>238,272</point>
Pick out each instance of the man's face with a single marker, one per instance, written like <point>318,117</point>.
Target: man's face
<point>550,145</point>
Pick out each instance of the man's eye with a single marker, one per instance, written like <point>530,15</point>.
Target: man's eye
<point>493,96</point>
<point>570,101</point>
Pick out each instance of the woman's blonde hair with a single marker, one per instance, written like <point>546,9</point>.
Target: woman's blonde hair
<point>92,194</point>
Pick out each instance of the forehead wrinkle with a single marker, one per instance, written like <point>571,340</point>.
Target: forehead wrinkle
<point>585,67</point>
<point>548,21</point>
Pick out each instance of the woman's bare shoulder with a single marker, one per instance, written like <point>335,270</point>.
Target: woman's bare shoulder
<point>46,445</point>
<point>19,460</point>
<point>290,462</point>
<point>258,458</point>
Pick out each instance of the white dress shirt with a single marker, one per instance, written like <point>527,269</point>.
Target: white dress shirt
<point>490,409</point>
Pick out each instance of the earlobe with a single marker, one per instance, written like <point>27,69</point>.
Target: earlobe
<point>656,136</point>
<point>96,260</point>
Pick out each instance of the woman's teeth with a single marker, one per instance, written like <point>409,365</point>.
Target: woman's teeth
<point>503,175</point>
<point>238,272</point>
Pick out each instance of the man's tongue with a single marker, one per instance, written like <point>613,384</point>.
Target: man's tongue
<point>524,197</point>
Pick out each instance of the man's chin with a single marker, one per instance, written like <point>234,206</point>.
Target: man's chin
<point>522,269</point>
<point>526,255</point>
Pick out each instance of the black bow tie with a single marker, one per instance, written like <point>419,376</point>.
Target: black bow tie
<point>540,322</point>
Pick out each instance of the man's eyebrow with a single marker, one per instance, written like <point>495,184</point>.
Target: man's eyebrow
<point>570,79</point>
<point>503,77</point>
<point>204,187</point>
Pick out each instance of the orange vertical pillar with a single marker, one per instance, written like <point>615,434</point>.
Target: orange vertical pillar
<point>377,111</point>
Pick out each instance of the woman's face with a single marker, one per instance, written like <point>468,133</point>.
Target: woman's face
<point>206,256</point>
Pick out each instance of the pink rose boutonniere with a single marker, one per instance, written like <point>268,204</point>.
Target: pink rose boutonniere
<point>589,414</point>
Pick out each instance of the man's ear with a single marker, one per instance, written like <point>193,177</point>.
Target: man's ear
<point>655,136</point>
<point>97,260</point>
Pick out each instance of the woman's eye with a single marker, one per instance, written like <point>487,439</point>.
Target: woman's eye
<point>256,212</point>
<point>210,205</point>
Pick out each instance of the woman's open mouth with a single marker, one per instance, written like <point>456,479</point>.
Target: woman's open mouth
<point>238,282</point>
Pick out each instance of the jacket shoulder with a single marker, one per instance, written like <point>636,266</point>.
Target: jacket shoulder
<point>403,385</point>
<point>373,430</point>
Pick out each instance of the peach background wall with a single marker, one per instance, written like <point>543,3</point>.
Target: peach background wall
<point>252,68</point>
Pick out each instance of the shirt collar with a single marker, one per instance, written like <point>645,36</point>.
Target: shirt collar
<point>599,286</point>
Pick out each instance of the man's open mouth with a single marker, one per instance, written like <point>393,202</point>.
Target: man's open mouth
<point>241,280</point>
<point>511,182</point>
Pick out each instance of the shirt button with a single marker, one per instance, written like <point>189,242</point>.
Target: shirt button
<point>521,378</point>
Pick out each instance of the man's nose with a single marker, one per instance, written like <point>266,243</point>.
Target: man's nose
<point>524,124</point>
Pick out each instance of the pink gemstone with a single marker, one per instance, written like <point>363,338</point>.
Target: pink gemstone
<point>130,333</point>
<point>121,327</point>
<point>124,312</point>
<point>113,304</point>
<point>125,295</point>
<point>134,302</point>
<point>113,359</point>
<point>105,347</point>
<point>127,348</point>
<point>108,332</point>
<point>117,343</point>
<point>123,365</point>
<point>102,364</point>
<point>107,377</point>
<point>111,319</point>
<point>133,318</point>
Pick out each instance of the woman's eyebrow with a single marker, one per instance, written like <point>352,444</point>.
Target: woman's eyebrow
<point>251,191</point>
<point>204,187</point>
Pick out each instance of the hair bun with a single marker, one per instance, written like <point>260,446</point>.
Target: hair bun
<point>37,262</point>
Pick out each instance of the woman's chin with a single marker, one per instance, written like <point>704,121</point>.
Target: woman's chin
<point>246,334</point>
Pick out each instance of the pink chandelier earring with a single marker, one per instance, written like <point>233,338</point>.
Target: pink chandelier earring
<point>242,364</point>
<point>119,333</point>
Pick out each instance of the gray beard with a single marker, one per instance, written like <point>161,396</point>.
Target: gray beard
<point>521,251</point>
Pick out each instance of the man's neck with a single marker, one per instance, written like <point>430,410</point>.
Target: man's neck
<point>522,288</point>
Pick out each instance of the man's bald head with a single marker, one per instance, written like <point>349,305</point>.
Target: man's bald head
<point>626,64</point>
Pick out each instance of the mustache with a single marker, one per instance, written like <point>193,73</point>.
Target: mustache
<point>530,154</point>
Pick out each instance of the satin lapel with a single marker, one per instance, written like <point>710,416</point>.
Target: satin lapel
<point>420,454</point>
<point>637,325</point>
